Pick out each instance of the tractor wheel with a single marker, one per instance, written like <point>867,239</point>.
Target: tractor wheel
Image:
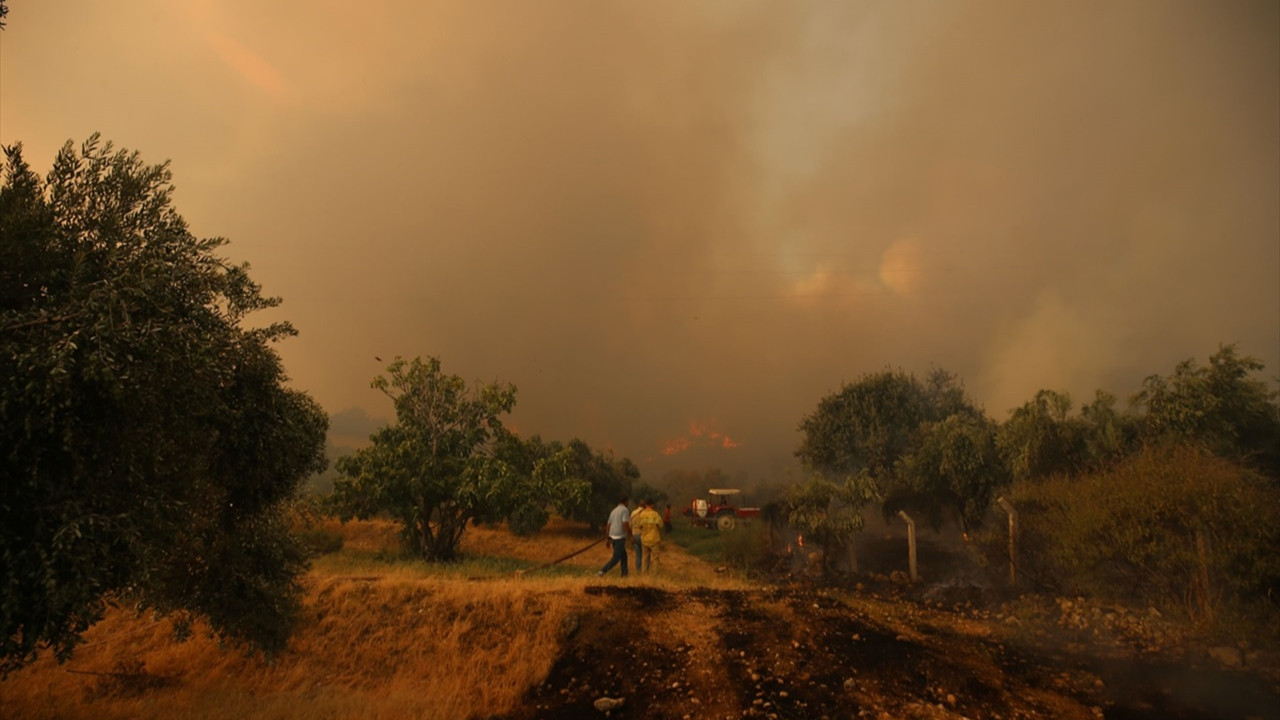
<point>726,523</point>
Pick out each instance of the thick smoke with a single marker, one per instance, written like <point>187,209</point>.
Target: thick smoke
<point>672,224</point>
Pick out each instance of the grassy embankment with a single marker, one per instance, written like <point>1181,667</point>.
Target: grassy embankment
<point>381,637</point>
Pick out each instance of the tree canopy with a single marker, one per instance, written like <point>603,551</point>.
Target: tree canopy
<point>920,445</point>
<point>607,479</point>
<point>448,461</point>
<point>1224,407</point>
<point>149,439</point>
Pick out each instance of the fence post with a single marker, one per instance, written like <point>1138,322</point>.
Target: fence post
<point>1013,534</point>
<point>911,543</point>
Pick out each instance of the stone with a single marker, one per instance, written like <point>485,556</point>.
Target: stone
<point>607,704</point>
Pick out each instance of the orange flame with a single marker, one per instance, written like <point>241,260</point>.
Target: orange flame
<point>701,435</point>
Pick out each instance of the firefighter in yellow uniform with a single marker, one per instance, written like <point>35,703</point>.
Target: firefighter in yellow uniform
<point>647,523</point>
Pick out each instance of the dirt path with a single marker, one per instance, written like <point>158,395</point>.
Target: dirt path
<point>804,653</point>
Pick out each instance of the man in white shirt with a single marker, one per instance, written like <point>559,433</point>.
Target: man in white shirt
<point>619,534</point>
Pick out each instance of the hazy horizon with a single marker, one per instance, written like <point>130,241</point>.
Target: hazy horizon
<point>676,226</point>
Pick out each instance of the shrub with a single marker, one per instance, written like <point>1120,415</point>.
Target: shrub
<point>1172,526</point>
<point>317,540</point>
<point>747,546</point>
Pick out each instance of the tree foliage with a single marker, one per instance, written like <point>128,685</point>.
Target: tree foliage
<point>829,512</point>
<point>1171,525</point>
<point>149,439</point>
<point>1223,407</point>
<point>1043,438</point>
<point>447,461</point>
<point>925,445</point>
<point>955,466</point>
<point>871,424</point>
<point>607,478</point>
<point>539,478</point>
<point>1040,438</point>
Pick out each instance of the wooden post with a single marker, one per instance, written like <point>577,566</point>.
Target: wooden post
<point>1013,534</point>
<point>911,544</point>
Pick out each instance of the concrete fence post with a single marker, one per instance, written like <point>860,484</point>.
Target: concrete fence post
<point>911,544</point>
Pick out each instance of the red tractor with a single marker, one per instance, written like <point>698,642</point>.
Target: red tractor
<point>718,512</point>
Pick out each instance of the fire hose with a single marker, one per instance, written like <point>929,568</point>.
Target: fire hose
<point>557,562</point>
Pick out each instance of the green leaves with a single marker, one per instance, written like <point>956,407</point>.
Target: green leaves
<point>1154,528</point>
<point>149,439</point>
<point>922,445</point>
<point>434,469</point>
<point>829,512</point>
<point>1224,407</point>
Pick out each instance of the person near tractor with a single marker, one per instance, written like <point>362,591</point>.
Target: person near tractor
<point>619,532</point>
<point>646,522</point>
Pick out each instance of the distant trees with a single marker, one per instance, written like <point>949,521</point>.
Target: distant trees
<point>608,479</point>
<point>447,461</point>
<point>923,446</point>
<point>149,439</point>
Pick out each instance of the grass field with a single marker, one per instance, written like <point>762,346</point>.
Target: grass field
<point>382,636</point>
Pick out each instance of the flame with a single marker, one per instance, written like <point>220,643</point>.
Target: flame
<point>678,445</point>
<point>799,540</point>
<point>699,434</point>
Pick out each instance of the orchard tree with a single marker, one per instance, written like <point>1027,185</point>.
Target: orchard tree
<point>1224,407</point>
<point>538,479</point>
<point>873,423</point>
<point>890,437</point>
<point>149,440</point>
<point>1041,438</point>
<point>955,467</point>
<point>607,478</point>
<point>437,468</point>
<point>1109,435</point>
<point>829,513</point>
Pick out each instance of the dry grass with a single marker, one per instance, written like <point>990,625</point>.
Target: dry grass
<point>378,640</point>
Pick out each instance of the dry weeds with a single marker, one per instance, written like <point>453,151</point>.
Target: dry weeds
<point>378,640</point>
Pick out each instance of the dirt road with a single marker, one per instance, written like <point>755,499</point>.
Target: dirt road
<point>801,652</point>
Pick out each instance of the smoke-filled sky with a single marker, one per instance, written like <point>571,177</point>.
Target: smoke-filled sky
<point>676,225</point>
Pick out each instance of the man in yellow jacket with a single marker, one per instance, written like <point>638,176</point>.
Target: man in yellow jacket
<point>647,524</point>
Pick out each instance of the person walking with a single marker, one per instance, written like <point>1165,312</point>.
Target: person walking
<point>619,532</point>
<point>666,519</point>
<point>645,523</point>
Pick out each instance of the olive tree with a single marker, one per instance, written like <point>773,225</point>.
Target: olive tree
<point>149,440</point>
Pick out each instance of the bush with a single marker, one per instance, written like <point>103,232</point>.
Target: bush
<point>317,540</point>
<point>1173,526</point>
<point>747,546</point>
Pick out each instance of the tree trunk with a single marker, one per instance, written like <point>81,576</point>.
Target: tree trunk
<point>1203,590</point>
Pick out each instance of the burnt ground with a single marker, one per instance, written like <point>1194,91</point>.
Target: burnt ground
<point>801,652</point>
